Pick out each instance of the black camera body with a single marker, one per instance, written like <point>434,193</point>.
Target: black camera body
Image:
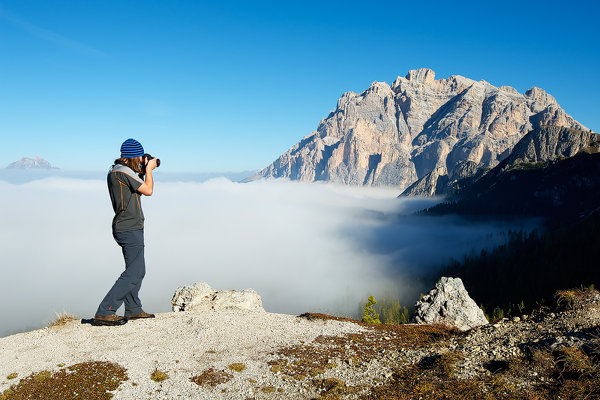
<point>145,158</point>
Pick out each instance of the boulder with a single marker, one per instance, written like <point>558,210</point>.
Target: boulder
<point>201,297</point>
<point>449,304</point>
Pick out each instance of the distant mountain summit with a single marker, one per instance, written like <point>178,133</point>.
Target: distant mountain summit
<point>395,135</point>
<point>31,163</point>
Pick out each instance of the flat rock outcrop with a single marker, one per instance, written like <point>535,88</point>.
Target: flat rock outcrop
<point>200,297</point>
<point>449,304</point>
<point>395,135</point>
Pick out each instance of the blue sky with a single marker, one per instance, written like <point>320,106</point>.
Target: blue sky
<point>229,86</point>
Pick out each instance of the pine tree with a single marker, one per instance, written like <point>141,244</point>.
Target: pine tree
<point>369,315</point>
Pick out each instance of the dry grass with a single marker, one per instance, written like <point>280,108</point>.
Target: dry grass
<point>90,380</point>
<point>62,319</point>
<point>211,377</point>
<point>575,298</point>
<point>574,363</point>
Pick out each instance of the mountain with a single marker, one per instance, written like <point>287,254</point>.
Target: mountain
<point>31,163</point>
<point>541,146</point>
<point>552,172</point>
<point>395,135</point>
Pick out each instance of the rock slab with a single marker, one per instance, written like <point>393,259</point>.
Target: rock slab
<point>449,304</point>
<point>201,297</point>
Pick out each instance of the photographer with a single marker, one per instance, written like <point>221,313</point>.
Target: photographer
<point>125,188</point>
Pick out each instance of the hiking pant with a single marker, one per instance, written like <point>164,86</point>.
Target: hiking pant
<point>126,288</point>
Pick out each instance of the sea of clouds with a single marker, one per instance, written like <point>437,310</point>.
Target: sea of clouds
<point>302,247</point>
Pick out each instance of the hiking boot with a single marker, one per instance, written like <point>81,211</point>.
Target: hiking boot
<point>140,316</point>
<point>109,320</point>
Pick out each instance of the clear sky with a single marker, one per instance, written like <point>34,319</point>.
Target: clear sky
<point>230,85</point>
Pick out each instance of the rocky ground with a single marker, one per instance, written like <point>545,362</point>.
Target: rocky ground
<point>240,354</point>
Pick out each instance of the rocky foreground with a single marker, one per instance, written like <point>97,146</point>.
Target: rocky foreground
<point>240,354</point>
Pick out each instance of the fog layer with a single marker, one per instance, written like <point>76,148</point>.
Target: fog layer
<point>302,247</point>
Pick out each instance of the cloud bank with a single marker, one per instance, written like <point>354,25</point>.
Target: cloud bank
<point>302,247</point>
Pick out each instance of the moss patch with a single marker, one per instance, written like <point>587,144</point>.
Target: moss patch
<point>159,376</point>
<point>90,380</point>
<point>211,377</point>
<point>237,367</point>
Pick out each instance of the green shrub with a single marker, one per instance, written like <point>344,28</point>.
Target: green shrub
<point>369,314</point>
<point>498,314</point>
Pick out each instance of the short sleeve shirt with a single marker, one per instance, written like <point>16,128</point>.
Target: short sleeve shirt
<point>123,184</point>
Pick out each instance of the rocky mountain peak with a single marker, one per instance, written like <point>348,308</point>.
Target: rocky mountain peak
<point>393,136</point>
<point>540,96</point>
<point>421,75</point>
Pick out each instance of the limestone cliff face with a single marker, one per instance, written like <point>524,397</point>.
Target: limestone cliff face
<point>395,135</point>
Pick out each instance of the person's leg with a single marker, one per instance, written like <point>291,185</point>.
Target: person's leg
<point>133,304</point>
<point>132,243</point>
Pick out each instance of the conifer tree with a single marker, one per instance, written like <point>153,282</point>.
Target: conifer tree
<point>369,315</point>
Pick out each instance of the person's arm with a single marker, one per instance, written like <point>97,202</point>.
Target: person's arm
<point>148,186</point>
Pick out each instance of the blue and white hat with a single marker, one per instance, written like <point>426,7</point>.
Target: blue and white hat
<point>131,148</point>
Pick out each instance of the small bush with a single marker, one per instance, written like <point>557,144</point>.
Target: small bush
<point>12,376</point>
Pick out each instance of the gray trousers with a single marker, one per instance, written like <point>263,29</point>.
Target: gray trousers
<point>126,288</point>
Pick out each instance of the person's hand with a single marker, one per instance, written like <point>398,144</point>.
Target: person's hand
<point>151,164</point>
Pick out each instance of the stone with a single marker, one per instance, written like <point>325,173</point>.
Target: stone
<point>449,304</point>
<point>395,135</point>
<point>201,297</point>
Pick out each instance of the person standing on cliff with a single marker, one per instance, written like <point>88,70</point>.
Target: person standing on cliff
<point>125,188</point>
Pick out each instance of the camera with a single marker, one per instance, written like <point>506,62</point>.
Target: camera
<point>145,158</point>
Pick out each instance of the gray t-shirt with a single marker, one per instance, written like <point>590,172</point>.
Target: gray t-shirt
<point>123,184</point>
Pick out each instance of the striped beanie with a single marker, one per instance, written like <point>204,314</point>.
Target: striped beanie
<point>131,148</point>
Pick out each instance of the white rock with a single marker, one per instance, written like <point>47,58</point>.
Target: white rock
<point>201,297</point>
<point>449,303</point>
